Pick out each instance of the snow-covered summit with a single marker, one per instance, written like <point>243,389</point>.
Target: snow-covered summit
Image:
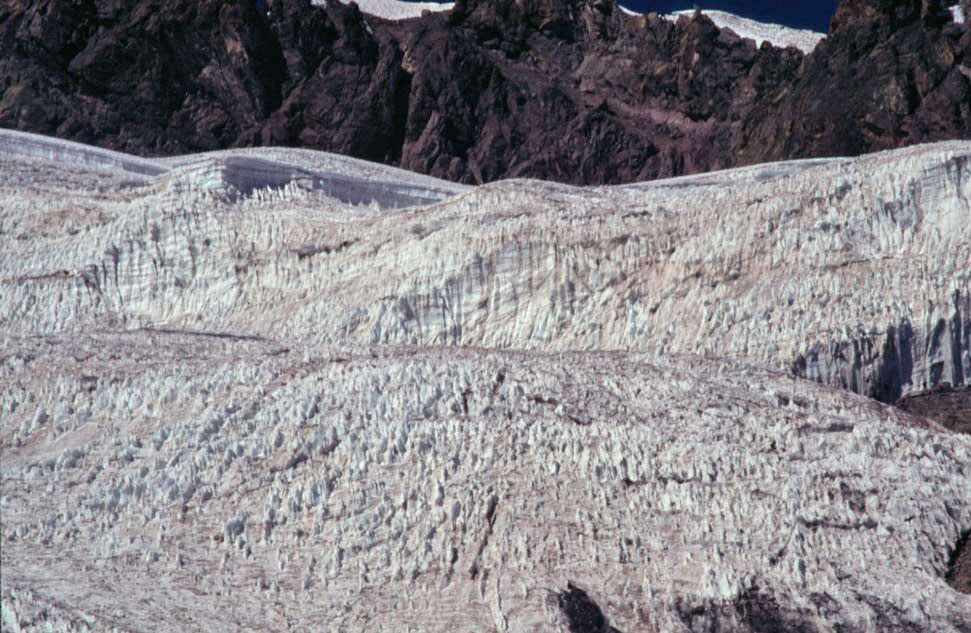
<point>775,34</point>
<point>397,9</point>
<point>958,14</point>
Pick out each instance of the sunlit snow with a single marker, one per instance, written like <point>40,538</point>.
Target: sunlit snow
<point>396,9</point>
<point>958,14</point>
<point>776,34</point>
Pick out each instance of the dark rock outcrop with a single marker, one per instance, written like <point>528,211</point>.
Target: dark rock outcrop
<point>959,568</point>
<point>582,614</point>
<point>568,90</point>
<point>948,406</point>
<point>757,611</point>
<point>890,74</point>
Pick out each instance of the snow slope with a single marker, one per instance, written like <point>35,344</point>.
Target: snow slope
<point>23,145</point>
<point>348,180</point>
<point>397,9</point>
<point>775,34</point>
<point>840,268</point>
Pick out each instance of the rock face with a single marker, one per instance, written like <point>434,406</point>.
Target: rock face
<point>569,90</point>
<point>850,98</point>
<point>854,273</point>
<point>945,405</point>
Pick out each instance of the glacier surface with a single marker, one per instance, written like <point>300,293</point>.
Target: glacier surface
<point>277,389</point>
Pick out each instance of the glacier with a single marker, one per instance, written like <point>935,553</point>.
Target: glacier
<point>280,389</point>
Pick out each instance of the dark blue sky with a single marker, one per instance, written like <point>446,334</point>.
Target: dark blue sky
<point>803,14</point>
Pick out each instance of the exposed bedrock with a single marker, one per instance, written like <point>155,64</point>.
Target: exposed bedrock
<point>567,90</point>
<point>856,273</point>
<point>959,568</point>
<point>950,407</point>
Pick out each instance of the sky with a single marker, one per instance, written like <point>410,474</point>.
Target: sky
<point>803,14</point>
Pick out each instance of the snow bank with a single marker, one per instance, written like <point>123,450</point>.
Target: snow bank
<point>958,14</point>
<point>775,34</point>
<point>19,145</point>
<point>396,9</point>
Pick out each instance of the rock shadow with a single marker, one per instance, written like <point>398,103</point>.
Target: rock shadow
<point>583,615</point>
<point>959,567</point>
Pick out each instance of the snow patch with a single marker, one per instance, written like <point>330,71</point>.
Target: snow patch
<point>958,14</point>
<point>775,34</point>
<point>396,9</point>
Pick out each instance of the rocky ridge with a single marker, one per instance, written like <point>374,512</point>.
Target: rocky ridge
<point>775,34</point>
<point>565,90</point>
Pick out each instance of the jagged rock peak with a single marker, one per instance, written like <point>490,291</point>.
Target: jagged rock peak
<point>892,13</point>
<point>554,17</point>
<point>485,91</point>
